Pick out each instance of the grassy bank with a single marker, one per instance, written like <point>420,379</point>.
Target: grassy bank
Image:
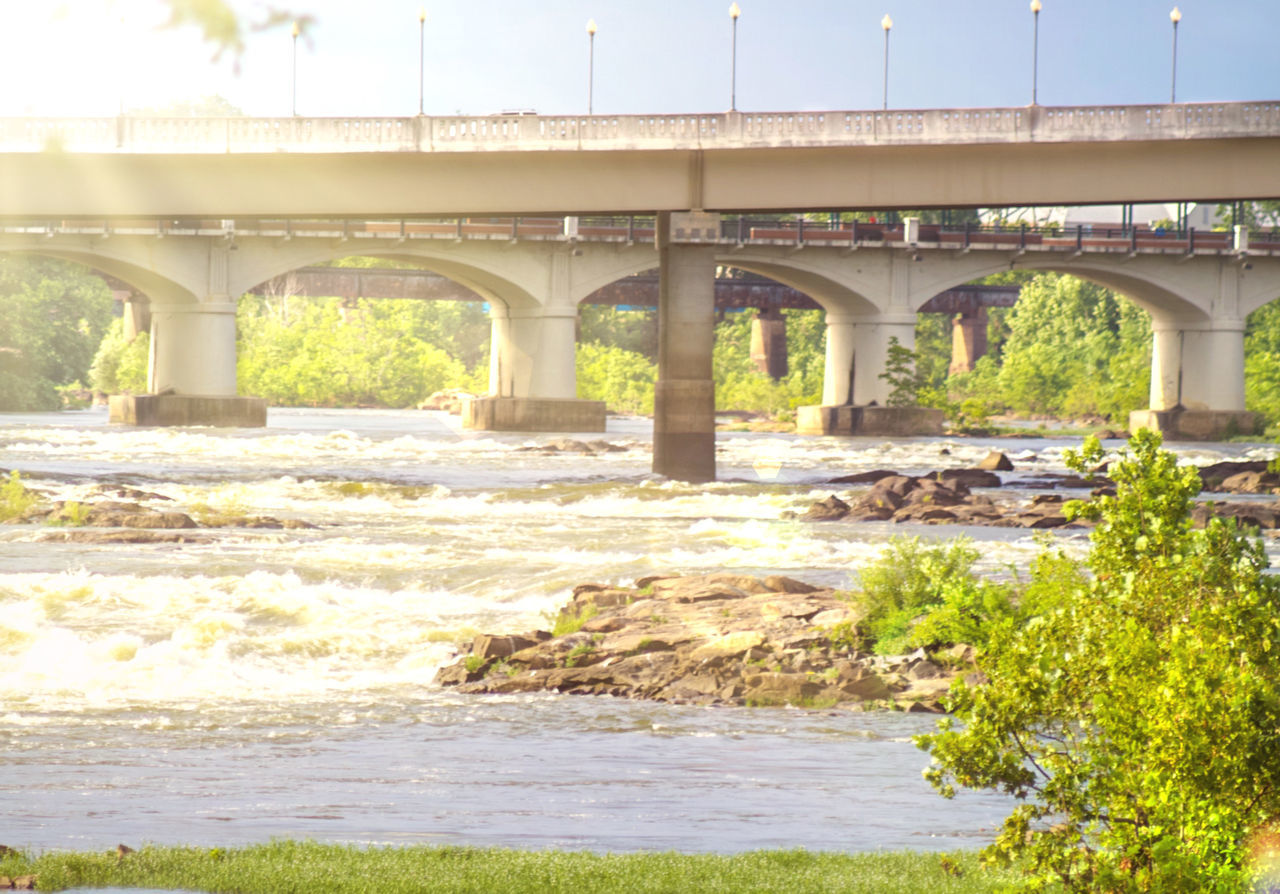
<point>283,867</point>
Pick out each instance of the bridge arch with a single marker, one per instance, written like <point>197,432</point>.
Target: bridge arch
<point>1161,296</point>
<point>479,274</point>
<point>120,266</point>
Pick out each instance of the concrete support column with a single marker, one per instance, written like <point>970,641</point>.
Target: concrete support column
<point>137,316</point>
<point>501,377</point>
<point>1213,367</point>
<point>769,343</point>
<point>837,373</point>
<point>532,353</point>
<point>1166,366</point>
<point>871,353</point>
<point>551,341</point>
<point>193,349</point>
<point>533,379</point>
<point>968,340</point>
<point>857,350</point>
<point>684,398</point>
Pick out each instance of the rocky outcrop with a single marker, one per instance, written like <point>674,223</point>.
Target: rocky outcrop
<point>725,639</point>
<point>570,445</point>
<point>450,400</point>
<point>940,498</point>
<point>136,517</point>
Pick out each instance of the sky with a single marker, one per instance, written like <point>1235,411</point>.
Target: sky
<point>361,57</point>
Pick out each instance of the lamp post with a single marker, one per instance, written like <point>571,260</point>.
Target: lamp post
<point>294,32</point>
<point>886,23</point>
<point>734,12</point>
<point>1035,49</point>
<point>422,55</point>
<point>1175,17</point>
<point>591,65</point>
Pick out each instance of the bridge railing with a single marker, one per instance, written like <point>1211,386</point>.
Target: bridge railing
<point>734,230</point>
<point>458,133</point>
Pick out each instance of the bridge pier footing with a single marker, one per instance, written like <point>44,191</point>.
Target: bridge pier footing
<point>1197,425</point>
<point>870,421</point>
<point>221,411</point>
<point>543,414</point>
<point>684,404</point>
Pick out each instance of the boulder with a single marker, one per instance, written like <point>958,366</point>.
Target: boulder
<point>864,477</point>
<point>487,646</point>
<point>1251,483</point>
<point>773,688</point>
<point>995,461</point>
<point>776,583</point>
<point>969,477</point>
<point>831,509</point>
<point>727,646</point>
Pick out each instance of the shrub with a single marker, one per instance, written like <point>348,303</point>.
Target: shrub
<point>15,499</point>
<point>1135,714</point>
<point>908,580</point>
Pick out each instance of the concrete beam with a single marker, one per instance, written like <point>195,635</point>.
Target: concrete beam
<point>532,182</point>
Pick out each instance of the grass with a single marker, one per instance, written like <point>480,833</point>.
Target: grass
<point>568,621</point>
<point>284,867</point>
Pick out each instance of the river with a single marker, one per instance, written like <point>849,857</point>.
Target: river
<point>266,683</point>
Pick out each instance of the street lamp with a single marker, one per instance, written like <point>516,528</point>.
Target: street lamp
<point>591,65</point>
<point>734,12</point>
<point>1175,17</point>
<point>422,54</point>
<point>295,69</point>
<point>1035,49</point>
<point>886,23</point>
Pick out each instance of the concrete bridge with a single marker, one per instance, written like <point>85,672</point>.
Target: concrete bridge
<point>966,303</point>
<point>194,212</point>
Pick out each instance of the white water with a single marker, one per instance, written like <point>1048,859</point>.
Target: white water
<point>260,683</point>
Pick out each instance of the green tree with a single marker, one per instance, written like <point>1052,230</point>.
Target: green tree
<point>55,314</point>
<point>1133,712</point>
<point>120,364</point>
<point>623,379</point>
<point>1073,348</point>
<point>1262,361</point>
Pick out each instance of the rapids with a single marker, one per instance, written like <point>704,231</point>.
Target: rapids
<point>267,683</point>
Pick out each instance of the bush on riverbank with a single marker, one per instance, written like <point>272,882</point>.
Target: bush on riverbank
<point>283,867</point>
<point>1135,711</point>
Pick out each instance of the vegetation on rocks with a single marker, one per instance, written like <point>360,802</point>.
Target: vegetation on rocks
<point>1133,705</point>
<point>727,639</point>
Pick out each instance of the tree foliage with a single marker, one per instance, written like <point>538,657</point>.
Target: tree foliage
<point>322,352</point>
<point>120,365</point>
<point>1134,711</point>
<point>1073,348</point>
<point>54,316</point>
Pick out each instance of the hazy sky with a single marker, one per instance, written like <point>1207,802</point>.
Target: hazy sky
<point>84,57</point>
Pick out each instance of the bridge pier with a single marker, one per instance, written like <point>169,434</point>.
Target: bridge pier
<point>1197,382</point>
<point>532,375</point>
<point>854,396</point>
<point>968,340</point>
<point>684,405</point>
<point>769,343</point>
<point>191,372</point>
